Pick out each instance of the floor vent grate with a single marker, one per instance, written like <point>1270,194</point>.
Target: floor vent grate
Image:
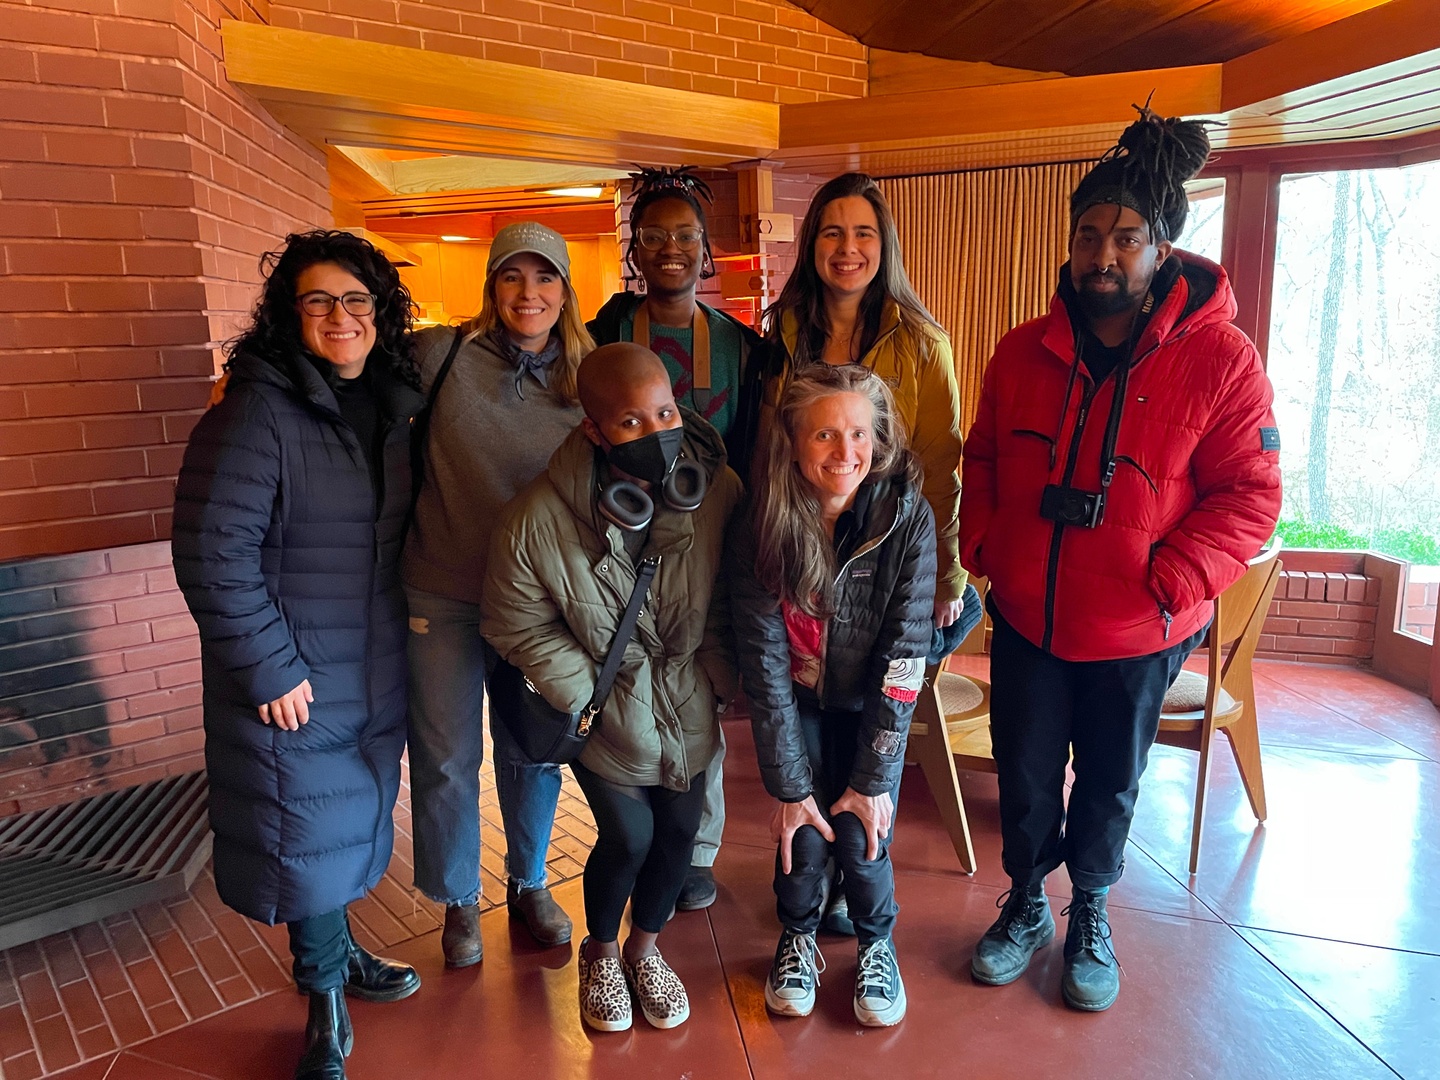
<point>64,866</point>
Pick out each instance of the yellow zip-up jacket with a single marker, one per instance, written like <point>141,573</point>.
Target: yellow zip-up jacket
<point>919,368</point>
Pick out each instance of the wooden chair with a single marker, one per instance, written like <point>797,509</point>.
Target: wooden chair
<point>952,721</point>
<point>1224,698</point>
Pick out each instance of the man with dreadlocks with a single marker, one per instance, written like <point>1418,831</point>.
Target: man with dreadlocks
<point>716,365</point>
<point>1123,468</point>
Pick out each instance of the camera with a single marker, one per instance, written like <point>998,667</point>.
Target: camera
<point>1072,506</point>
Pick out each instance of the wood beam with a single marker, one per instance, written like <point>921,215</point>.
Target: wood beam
<point>345,90</point>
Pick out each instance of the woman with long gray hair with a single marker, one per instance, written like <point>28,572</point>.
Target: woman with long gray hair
<point>832,581</point>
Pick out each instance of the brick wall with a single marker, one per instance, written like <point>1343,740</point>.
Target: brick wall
<point>756,49</point>
<point>1420,602</point>
<point>136,190</point>
<point>1324,610</point>
<point>99,676</point>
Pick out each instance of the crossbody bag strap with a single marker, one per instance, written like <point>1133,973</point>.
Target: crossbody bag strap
<point>623,635</point>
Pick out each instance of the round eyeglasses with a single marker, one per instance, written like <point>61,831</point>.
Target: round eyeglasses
<point>652,237</point>
<point>320,304</point>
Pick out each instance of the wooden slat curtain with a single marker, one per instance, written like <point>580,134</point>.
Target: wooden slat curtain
<point>983,250</point>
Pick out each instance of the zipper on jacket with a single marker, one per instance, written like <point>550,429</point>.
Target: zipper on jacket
<point>863,549</point>
<point>1052,566</point>
<point>1168,620</point>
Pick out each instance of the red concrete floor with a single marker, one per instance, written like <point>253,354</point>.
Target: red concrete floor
<point>1301,949</point>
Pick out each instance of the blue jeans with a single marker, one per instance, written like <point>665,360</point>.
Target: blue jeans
<point>448,661</point>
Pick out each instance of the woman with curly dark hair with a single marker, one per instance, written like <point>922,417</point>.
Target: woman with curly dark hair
<point>290,512</point>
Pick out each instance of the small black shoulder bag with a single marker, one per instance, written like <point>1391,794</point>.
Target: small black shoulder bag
<point>544,733</point>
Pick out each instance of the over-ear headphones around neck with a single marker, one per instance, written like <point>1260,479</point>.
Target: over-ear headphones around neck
<point>630,506</point>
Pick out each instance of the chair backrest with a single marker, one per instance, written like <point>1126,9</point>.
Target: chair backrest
<point>1235,609</point>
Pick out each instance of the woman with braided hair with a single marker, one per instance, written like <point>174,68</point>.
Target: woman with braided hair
<point>716,364</point>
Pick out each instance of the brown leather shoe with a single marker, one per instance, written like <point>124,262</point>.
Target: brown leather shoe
<point>461,940</point>
<point>536,908</point>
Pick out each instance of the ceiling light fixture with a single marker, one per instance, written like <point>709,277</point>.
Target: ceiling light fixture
<point>455,239</point>
<point>592,192</point>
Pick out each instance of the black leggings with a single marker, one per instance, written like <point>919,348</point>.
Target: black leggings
<point>642,851</point>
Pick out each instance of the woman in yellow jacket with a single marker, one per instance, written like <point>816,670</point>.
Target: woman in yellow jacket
<point>849,301</point>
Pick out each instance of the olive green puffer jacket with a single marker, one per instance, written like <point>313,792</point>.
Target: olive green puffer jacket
<point>556,586</point>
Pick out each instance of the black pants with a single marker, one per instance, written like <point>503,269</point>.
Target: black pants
<point>321,948</point>
<point>1041,707</point>
<point>644,837</point>
<point>830,741</point>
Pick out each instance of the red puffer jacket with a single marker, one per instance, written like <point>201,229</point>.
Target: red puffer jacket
<point>1196,488</point>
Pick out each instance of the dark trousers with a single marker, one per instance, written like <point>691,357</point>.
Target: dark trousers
<point>321,948</point>
<point>644,837</point>
<point>1041,709</point>
<point>830,741</point>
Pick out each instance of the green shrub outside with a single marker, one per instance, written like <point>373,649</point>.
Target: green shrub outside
<point>1412,545</point>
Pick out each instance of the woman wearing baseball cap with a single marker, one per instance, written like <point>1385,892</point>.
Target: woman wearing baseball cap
<point>502,397</point>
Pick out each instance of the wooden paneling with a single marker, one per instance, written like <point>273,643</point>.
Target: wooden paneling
<point>1082,37</point>
<point>983,250</point>
<point>363,93</point>
<point>1375,75</point>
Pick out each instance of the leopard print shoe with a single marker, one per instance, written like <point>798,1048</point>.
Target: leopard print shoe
<point>658,991</point>
<point>604,993</point>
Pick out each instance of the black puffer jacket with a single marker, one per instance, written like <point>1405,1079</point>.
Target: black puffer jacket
<point>287,549</point>
<point>876,643</point>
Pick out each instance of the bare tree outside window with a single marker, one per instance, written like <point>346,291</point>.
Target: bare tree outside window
<point>1355,359</point>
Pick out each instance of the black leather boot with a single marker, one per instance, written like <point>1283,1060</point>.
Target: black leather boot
<point>373,978</point>
<point>328,1038</point>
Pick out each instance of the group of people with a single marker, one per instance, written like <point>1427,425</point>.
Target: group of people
<point>373,524</point>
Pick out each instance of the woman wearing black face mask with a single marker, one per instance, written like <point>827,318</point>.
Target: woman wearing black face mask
<point>640,482</point>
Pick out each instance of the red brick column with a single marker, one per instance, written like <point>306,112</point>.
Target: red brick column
<point>137,189</point>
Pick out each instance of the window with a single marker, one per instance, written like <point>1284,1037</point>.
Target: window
<point>1355,359</point>
<point>1204,227</point>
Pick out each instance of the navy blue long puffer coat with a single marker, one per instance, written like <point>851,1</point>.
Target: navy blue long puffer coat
<point>287,548</point>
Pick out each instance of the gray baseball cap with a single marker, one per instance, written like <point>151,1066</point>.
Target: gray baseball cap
<point>529,236</point>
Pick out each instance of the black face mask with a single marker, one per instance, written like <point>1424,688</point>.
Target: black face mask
<point>649,458</point>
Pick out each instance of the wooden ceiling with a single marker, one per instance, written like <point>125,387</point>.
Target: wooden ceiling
<point>1081,37</point>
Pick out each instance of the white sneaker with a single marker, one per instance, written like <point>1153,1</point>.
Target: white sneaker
<point>879,990</point>
<point>790,988</point>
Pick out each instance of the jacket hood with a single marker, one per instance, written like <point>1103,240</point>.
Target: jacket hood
<point>574,465</point>
<point>397,399</point>
<point>1192,292</point>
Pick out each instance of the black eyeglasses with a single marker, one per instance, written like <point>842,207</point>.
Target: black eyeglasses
<point>320,304</point>
<point>652,237</point>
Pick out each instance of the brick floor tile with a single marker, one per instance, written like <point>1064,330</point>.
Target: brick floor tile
<point>154,920</point>
<point>167,1017</point>
<point>215,960</point>
<point>24,1067</point>
<point>237,931</point>
<point>81,1005</point>
<point>96,1041</point>
<point>106,974</point>
<point>151,986</point>
<point>196,994</point>
<point>235,991</point>
<point>26,958</point>
<point>63,958</point>
<point>127,1018</point>
<point>263,970</point>
<point>130,943</point>
<point>14,1032</point>
<point>38,993</point>
<point>9,991</point>
<point>174,955</point>
<point>191,919</point>
<point>55,1044</point>
<point>91,940</point>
